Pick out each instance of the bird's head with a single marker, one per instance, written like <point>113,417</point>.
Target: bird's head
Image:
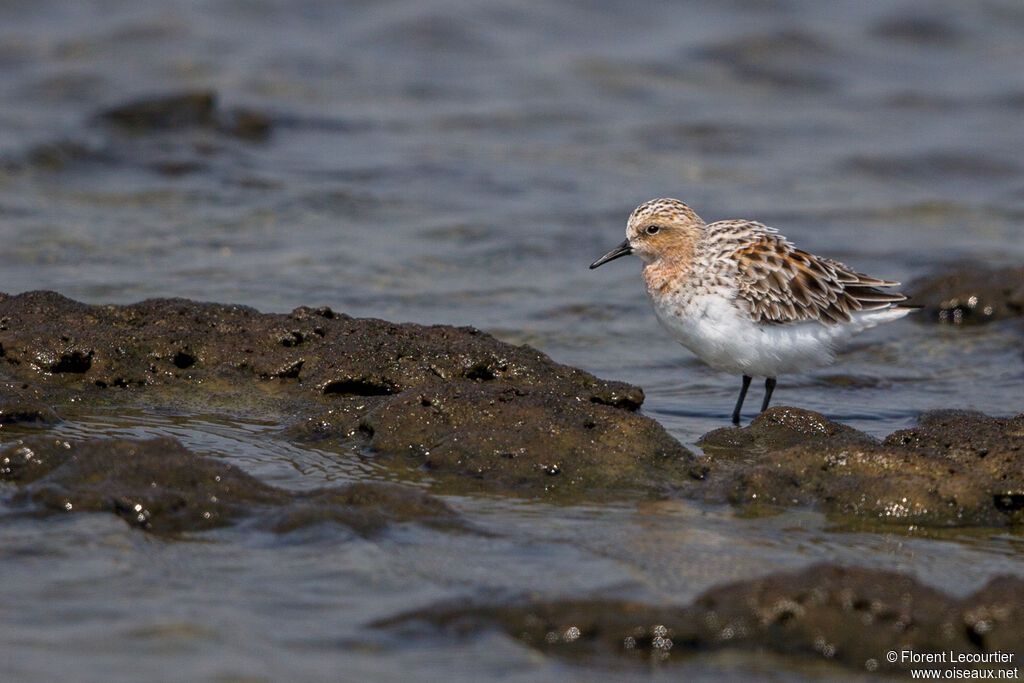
<point>656,229</point>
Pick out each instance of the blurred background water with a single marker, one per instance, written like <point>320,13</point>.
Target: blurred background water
<point>448,161</point>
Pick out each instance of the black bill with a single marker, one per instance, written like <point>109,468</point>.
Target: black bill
<point>622,250</point>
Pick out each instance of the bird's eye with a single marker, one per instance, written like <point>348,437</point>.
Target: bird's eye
<point>652,229</point>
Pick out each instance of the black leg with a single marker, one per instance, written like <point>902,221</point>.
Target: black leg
<point>739,401</point>
<point>769,387</point>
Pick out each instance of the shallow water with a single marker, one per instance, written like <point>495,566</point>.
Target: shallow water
<point>451,162</point>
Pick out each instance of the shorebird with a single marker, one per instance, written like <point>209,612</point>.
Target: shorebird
<point>743,299</point>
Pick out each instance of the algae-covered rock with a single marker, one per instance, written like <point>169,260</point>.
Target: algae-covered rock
<point>160,486</point>
<point>776,429</point>
<point>971,294</point>
<point>446,399</point>
<point>849,616</point>
<point>23,403</point>
<point>527,438</point>
<point>365,507</point>
<point>955,469</point>
<point>474,413</point>
<point>171,134</point>
<point>196,108</point>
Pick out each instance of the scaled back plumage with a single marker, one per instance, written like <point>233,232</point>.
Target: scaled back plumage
<point>778,283</point>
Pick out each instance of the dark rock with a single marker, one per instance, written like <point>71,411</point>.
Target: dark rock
<point>21,402</point>
<point>164,112</point>
<point>28,461</point>
<point>243,123</point>
<point>366,508</point>
<point>447,399</point>
<point>474,412</point>
<point>971,294</point>
<point>704,137</point>
<point>993,617</point>
<point>849,616</point>
<point>987,446</point>
<point>776,429</point>
<point>172,135</point>
<point>160,486</point>
<point>918,30</point>
<point>60,154</point>
<point>195,109</point>
<point>177,167</point>
<point>526,438</point>
<point>955,469</point>
<point>155,485</point>
<point>785,59</point>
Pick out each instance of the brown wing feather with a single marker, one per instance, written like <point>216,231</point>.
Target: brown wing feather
<point>780,283</point>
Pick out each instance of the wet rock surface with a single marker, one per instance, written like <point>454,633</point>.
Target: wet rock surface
<point>527,439</point>
<point>774,59</point>
<point>160,486</point>
<point>170,134</point>
<point>472,413</point>
<point>955,469</point>
<point>777,429</point>
<point>971,294</point>
<point>849,616</point>
<point>440,398</point>
<point>196,108</point>
<point>23,403</point>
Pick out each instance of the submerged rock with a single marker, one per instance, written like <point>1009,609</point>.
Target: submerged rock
<point>955,469</point>
<point>164,112</point>
<point>447,399</point>
<point>172,135</point>
<point>971,295</point>
<point>784,60</point>
<point>849,616</point>
<point>20,402</point>
<point>158,485</point>
<point>365,507</point>
<point>196,108</point>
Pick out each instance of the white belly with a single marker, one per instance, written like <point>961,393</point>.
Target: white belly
<point>726,339</point>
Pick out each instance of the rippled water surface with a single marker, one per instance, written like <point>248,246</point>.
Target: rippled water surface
<point>462,162</point>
